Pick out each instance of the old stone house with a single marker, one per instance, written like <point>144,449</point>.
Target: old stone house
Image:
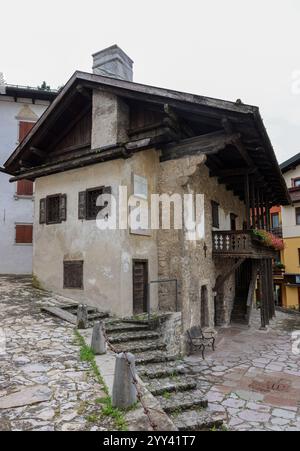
<point>104,131</point>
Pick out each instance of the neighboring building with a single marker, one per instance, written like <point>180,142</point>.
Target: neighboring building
<point>101,133</point>
<point>20,108</point>
<point>287,278</point>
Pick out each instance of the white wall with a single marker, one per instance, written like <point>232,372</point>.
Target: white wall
<point>14,259</point>
<point>289,227</point>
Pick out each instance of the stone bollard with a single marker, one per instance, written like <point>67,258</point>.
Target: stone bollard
<point>98,344</point>
<point>124,393</point>
<point>82,317</point>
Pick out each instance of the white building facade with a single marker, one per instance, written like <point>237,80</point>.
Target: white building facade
<point>20,109</point>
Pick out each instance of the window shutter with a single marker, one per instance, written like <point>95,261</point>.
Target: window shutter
<point>43,211</point>
<point>63,207</point>
<point>24,188</point>
<point>82,205</point>
<point>24,234</point>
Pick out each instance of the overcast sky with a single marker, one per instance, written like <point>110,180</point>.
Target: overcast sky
<point>226,49</point>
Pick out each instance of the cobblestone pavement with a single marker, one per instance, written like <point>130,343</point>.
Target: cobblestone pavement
<point>43,384</point>
<point>254,376</point>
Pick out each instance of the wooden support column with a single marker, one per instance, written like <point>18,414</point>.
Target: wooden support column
<point>252,201</point>
<point>268,213</point>
<point>247,200</point>
<point>258,212</point>
<point>251,292</point>
<point>271,289</point>
<point>261,295</point>
<point>263,211</point>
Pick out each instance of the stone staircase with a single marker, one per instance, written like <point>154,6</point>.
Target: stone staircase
<point>181,395</point>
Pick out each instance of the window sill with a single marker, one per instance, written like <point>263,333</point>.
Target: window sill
<point>18,197</point>
<point>23,244</point>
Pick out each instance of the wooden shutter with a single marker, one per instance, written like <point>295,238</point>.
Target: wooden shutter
<point>43,211</point>
<point>63,207</point>
<point>24,234</point>
<point>24,188</point>
<point>82,205</point>
<point>24,129</point>
<point>73,274</point>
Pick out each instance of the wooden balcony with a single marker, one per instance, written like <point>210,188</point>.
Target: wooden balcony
<point>239,244</point>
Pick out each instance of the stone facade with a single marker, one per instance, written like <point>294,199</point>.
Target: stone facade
<point>191,262</point>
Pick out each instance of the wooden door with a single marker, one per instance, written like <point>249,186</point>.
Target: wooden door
<point>140,284</point>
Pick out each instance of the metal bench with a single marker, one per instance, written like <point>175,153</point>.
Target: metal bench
<point>200,340</point>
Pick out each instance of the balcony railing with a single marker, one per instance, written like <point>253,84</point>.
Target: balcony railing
<point>239,244</point>
<point>277,231</point>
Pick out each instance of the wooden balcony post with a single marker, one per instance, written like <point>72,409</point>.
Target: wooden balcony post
<point>247,200</point>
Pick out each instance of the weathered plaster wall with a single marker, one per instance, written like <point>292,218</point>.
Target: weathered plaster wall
<point>186,260</point>
<point>107,254</point>
<point>14,259</point>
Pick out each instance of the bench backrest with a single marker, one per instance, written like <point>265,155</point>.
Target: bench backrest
<point>195,332</point>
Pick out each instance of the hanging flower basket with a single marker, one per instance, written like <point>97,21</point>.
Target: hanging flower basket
<point>268,239</point>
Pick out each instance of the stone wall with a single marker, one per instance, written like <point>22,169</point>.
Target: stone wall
<point>191,262</point>
<point>172,333</point>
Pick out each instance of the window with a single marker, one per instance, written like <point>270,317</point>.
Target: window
<point>53,209</point>
<point>24,188</point>
<point>73,274</point>
<point>297,210</point>
<point>215,214</point>
<point>296,183</point>
<point>92,209</point>
<point>275,220</point>
<point>87,202</point>
<point>24,233</point>
<point>140,186</point>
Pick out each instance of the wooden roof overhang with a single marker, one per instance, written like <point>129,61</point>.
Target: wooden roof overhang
<point>232,135</point>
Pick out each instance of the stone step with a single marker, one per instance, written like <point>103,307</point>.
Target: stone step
<point>161,387</point>
<point>178,402</point>
<point>113,327</point>
<point>150,358</point>
<point>141,346</point>
<point>137,336</point>
<point>161,371</point>
<point>198,420</point>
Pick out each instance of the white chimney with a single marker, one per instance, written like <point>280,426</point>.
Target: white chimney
<point>113,62</point>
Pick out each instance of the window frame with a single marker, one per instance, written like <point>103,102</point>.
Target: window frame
<point>48,198</point>
<point>69,263</point>
<point>89,191</point>
<point>295,181</point>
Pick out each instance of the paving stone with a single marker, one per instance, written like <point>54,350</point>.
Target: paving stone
<point>284,414</point>
<point>252,415</point>
<point>26,396</point>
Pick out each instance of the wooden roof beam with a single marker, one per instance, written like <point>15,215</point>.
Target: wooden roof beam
<point>208,144</point>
